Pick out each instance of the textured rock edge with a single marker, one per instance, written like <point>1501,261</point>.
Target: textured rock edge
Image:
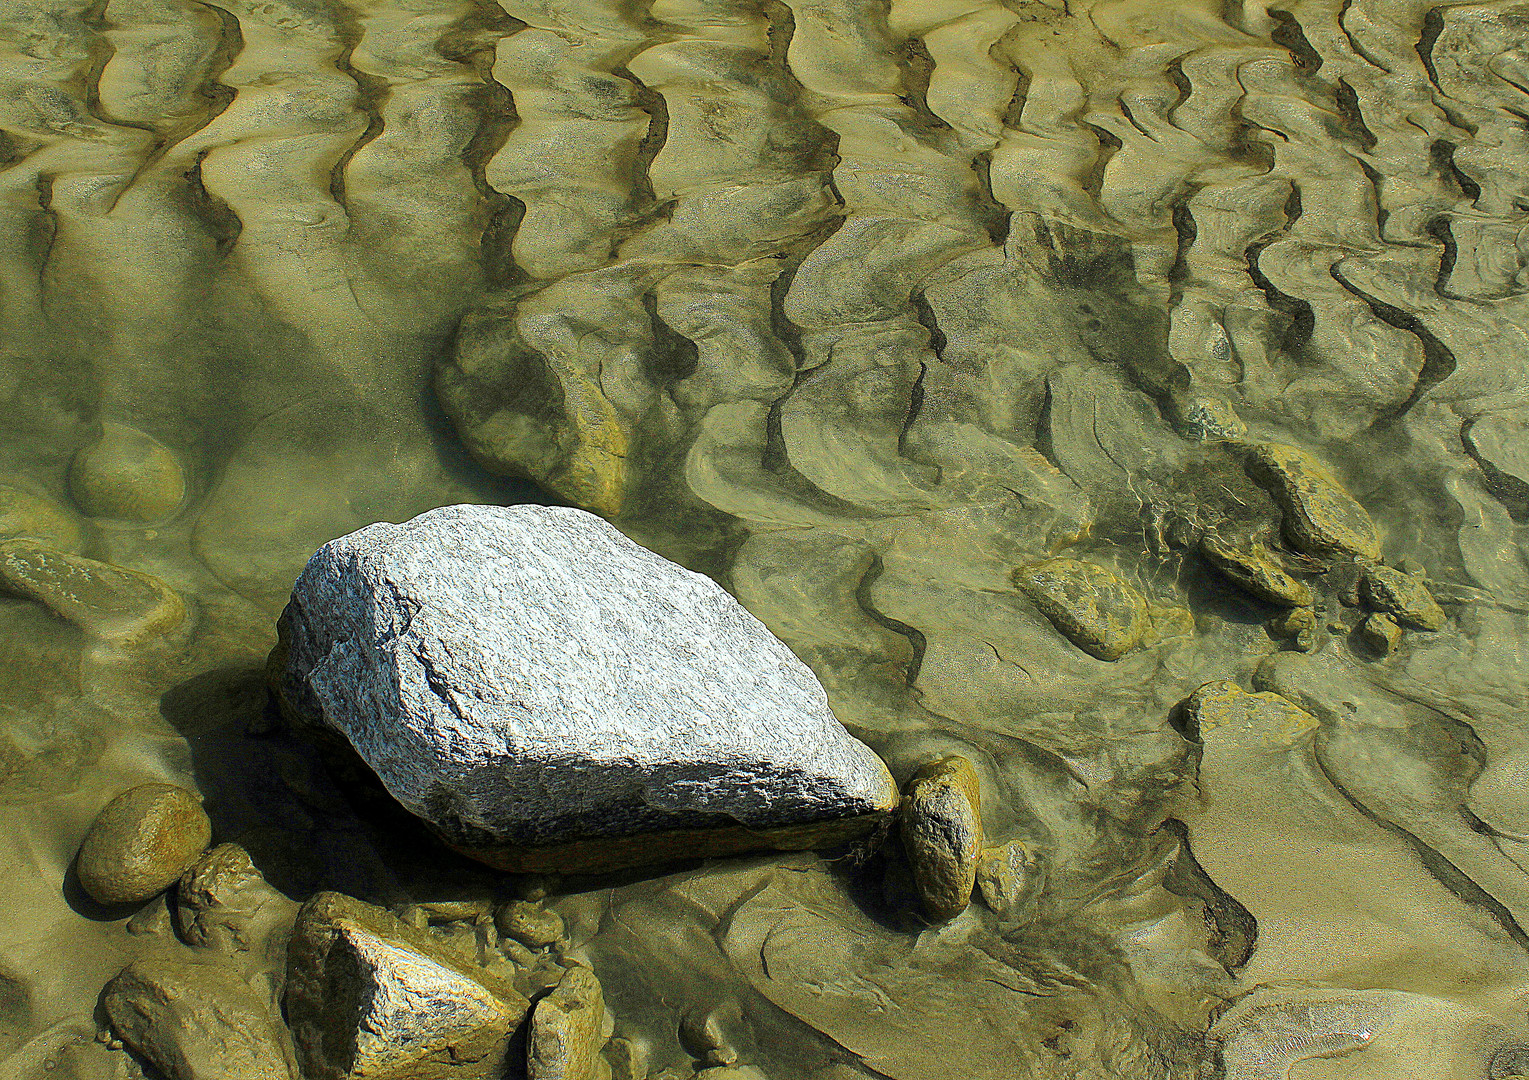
<point>590,855</point>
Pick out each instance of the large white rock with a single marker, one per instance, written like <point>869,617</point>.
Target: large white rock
<point>540,689</point>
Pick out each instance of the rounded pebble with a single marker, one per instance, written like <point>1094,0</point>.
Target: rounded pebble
<point>126,475</point>
<point>142,842</point>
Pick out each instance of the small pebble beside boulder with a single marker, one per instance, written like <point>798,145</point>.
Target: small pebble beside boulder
<point>551,697</point>
<point>141,843</point>
<point>941,822</point>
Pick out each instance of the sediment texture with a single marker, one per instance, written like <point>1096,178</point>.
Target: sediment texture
<point>858,308</point>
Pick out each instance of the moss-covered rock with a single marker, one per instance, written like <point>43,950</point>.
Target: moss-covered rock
<point>1091,606</point>
<point>1321,518</point>
<point>1402,596</point>
<point>1254,568</point>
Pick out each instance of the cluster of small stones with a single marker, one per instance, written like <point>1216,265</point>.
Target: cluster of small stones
<point>122,478</point>
<point>245,982</point>
<point>1329,535</point>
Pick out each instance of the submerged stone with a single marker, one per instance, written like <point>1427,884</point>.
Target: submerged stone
<point>1402,596</point>
<point>1320,517</point>
<point>195,1021</point>
<point>543,691</point>
<point>941,821</point>
<point>369,996</point>
<point>102,599</point>
<point>533,926</point>
<point>1091,606</point>
<point>1381,633</point>
<point>141,842</point>
<point>1007,876</point>
<point>1276,720</point>
<point>568,1030</point>
<point>1256,570</point>
<point>24,516</point>
<point>128,475</point>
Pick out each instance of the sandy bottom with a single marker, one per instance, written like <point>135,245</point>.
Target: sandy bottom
<point>857,307</point>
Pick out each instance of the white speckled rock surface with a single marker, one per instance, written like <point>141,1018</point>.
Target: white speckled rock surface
<point>528,675</point>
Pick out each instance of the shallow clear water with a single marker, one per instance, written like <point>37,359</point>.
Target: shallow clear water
<point>857,308</point>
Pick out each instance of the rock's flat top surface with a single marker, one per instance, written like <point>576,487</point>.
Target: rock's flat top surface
<point>528,675</point>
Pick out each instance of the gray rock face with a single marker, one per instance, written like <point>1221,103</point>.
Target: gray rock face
<point>368,995</point>
<point>195,1021</point>
<point>526,678</point>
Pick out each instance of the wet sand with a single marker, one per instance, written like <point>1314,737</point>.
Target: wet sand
<point>859,309</point>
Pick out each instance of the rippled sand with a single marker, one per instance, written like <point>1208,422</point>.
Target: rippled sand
<point>858,308</point>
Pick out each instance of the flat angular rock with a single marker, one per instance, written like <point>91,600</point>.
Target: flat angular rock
<point>104,600</point>
<point>1321,518</point>
<point>368,995</point>
<point>541,690</point>
<point>195,1021</point>
<point>1090,606</point>
<point>1254,568</point>
<point>1381,633</point>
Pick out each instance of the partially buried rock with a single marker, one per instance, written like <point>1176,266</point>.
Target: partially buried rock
<point>141,842</point>
<point>627,1060</point>
<point>1091,606</point>
<point>127,475</point>
<point>195,1021</point>
<point>369,996</point>
<point>941,821</point>
<point>1402,596</point>
<point>1381,633</point>
<point>1320,517</point>
<point>549,696</point>
<point>104,600</point>
<point>1006,876</point>
<point>1276,720</point>
<point>530,924</point>
<point>223,903</point>
<point>1255,569</point>
<point>568,1030</point>
<point>24,516</point>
